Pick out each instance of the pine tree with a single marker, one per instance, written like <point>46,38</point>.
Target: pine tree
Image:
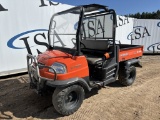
<point>146,15</point>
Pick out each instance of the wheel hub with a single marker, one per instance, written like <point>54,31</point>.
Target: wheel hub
<point>71,98</point>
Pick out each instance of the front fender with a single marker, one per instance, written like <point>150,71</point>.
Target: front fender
<point>65,83</point>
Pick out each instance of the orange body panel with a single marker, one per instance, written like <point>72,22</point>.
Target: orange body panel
<point>130,53</point>
<point>76,66</point>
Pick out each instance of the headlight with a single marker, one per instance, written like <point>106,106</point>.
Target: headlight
<point>59,68</point>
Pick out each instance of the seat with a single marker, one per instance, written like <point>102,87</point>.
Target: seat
<point>94,50</point>
<point>95,44</point>
<point>93,60</point>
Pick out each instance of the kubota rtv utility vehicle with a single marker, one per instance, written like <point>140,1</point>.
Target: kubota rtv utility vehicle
<point>82,55</point>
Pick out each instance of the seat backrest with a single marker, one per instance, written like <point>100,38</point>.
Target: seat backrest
<point>96,44</point>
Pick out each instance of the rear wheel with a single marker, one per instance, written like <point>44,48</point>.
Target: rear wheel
<point>127,76</point>
<point>67,100</point>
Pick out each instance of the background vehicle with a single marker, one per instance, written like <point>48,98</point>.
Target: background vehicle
<point>82,55</point>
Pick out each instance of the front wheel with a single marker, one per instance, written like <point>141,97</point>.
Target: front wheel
<point>127,77</point>
<point>66,101</point>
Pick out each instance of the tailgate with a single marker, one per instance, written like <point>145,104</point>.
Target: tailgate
<point>130,53</point>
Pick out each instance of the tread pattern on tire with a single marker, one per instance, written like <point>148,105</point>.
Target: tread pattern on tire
<point>58,97</point>
<point>124,76</point>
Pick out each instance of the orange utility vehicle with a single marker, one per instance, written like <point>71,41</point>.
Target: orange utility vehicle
<point>82,55</point>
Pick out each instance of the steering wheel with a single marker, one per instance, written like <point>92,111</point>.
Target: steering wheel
<point>82,45</point>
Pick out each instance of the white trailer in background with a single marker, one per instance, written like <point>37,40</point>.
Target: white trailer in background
<point>124,26</point>
<point>146,32</point>
<point>24,26</point>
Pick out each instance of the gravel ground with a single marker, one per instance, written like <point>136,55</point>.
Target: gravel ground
<point>141,101</point>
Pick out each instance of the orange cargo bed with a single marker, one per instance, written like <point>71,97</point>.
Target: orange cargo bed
<point>127,52</point>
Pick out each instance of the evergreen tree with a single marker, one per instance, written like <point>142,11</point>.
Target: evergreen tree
<point>145,15</point>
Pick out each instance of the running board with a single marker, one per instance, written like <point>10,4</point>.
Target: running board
<point>101,83</point>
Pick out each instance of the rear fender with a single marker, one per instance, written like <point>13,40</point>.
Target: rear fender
<point>134,62</point>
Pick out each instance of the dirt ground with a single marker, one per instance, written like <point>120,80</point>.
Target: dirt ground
<point>141,101</point>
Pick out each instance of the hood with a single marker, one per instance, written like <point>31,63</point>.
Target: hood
<point>44,57</point>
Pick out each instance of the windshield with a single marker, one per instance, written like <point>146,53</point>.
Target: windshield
<point>63,28</point>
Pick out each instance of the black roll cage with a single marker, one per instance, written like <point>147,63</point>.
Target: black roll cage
<point>83,9</point>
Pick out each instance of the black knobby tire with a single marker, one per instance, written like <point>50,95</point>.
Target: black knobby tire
<point>127,76</point>
<point>66,101</point>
